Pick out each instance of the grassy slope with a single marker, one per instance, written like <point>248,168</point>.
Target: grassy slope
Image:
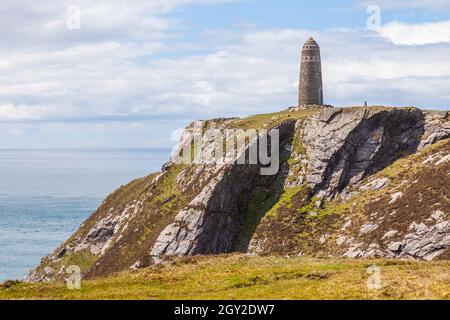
<point>246,277</point>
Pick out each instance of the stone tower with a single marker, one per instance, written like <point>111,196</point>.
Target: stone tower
<point>310,91</point>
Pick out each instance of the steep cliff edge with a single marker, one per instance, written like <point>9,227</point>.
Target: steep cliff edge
<point>354,182</point>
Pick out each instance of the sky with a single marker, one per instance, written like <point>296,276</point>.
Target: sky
<point>115,74</point>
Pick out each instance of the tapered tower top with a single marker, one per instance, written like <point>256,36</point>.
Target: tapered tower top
<point>311,42</point>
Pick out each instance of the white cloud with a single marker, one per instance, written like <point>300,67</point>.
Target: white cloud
<point>118,70</point>
<point>416,34</point>
<point>44,22</point>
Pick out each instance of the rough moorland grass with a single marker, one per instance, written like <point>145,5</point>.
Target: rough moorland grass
<point>247,277</point>
<point>271,120</point>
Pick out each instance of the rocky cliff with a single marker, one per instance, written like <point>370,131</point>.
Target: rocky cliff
<point>353,182</point>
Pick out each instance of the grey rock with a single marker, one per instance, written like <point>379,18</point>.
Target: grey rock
<point>437,127</point>
<point>369,227</point>
<point>341,240</point>
<point>395,246</point>
<point>426,242</point>
<point>396,196</point>
<point>49,270</point>
<point>376,184</point>
<point>390,234</point>
<point>345,146</point>
<point>354,252</point>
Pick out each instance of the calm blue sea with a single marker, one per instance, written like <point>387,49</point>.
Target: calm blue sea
<point>46,195</point>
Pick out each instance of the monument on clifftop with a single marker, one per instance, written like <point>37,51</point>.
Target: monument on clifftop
<point>310,89</point>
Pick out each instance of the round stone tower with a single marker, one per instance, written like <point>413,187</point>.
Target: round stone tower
<point>310,91</point>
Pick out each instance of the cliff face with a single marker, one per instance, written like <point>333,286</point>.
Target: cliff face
<point>354,182</point>
<point>375,186</point>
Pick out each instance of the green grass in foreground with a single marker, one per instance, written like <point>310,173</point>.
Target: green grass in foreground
<point>247,277</point>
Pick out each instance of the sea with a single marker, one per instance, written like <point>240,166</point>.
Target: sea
<point>46,194</point>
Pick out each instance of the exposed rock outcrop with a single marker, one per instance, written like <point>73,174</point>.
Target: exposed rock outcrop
<point>212,221</point>
<point>345,146</point>
<point>355,182</point>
